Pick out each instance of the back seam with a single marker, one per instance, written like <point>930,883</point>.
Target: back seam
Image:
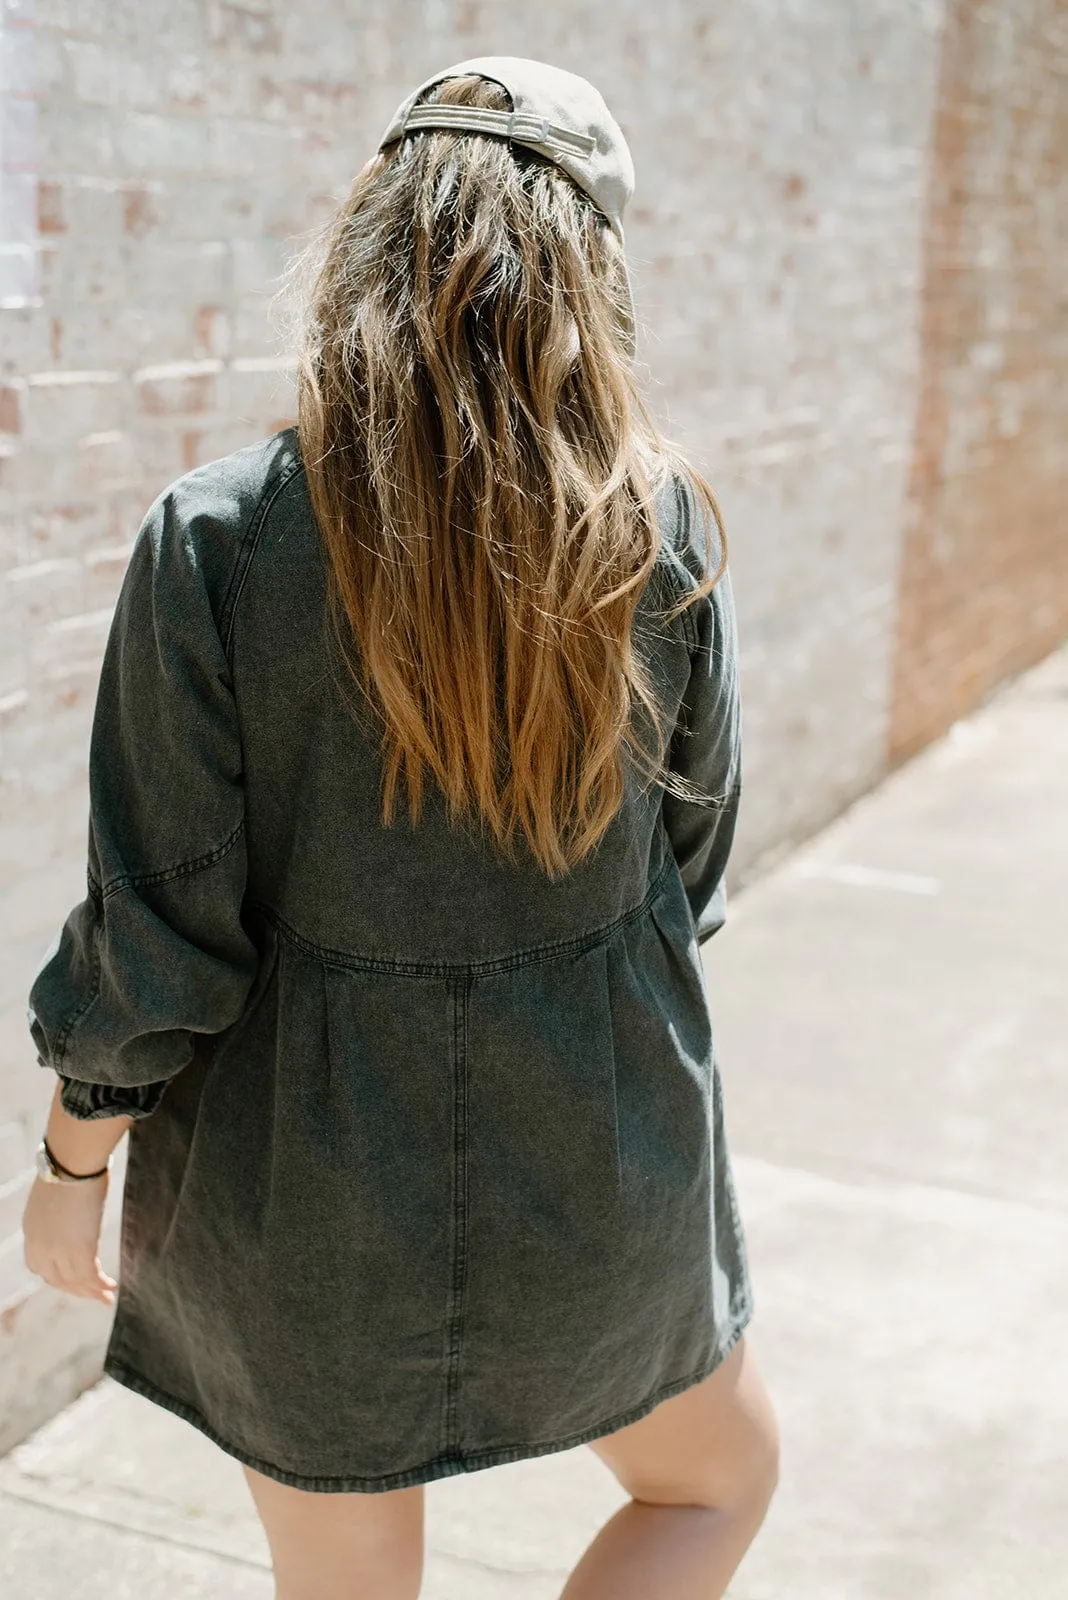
<point>352,961</point>
<point>460,987</point>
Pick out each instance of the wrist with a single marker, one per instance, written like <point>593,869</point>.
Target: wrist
<point>51,1170</point>
<point>81,1146</point>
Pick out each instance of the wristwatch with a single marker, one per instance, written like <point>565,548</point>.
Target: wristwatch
<point>49,1170</point>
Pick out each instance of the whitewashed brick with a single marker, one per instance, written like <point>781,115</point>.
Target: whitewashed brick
<point>148,142</point>
<point>64,405</point>
<point>261,387</point>
<point>80,141</point>
<point>100,75</point>
<point>198,273</point>
<point>18,60</point>
<point>87,17</point>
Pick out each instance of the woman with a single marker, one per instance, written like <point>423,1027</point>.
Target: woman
<point>413,777</point>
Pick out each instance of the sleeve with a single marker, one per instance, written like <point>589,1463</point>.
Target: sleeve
<point>705,750</point>
<point>156,953</point>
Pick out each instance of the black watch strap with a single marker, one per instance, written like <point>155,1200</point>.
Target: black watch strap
<point>65,1172</point>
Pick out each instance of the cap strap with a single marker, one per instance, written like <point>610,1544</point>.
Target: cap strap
<point>511,124</point>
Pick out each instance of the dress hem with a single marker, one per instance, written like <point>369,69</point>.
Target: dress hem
<point>446,1466</point>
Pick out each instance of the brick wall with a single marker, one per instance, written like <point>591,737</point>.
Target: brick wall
<point>984,575</point>
<point>843,243</point>
<point>170,152</point>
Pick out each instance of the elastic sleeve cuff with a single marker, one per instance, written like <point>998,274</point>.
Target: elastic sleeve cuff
<point>91,1101</point>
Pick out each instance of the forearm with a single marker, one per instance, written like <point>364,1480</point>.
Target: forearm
<point>78,1145</point>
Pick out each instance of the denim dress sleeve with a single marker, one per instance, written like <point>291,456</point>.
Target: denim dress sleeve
<point>156,952</point>
<point>706,743</point>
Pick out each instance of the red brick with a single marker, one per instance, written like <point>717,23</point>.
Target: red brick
<point>211,331</point>
<point>50,211</point>
<point>10,408</point>
<point>139,213</point>
<point>983,588</point>
<point>181,389</point>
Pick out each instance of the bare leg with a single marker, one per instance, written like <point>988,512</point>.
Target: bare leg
<point>342,1546</point>
<point>701,1470</point>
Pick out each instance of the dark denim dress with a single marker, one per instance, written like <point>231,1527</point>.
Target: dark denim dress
<point>429,1168</point>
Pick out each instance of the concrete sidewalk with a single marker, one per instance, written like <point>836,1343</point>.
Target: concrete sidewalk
<point>892,1011</point>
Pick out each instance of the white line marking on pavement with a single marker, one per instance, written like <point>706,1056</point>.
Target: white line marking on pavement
<point>860,877</point>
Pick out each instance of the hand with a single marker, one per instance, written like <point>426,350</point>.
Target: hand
<point>61,1228</point>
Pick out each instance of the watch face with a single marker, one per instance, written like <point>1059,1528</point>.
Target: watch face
<point>43,1165</point>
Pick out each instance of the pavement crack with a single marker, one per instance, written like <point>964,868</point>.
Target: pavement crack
<point>108,1520</point>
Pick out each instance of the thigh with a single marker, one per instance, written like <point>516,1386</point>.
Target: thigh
<point>715,1444</point>
<point>342,1546</point>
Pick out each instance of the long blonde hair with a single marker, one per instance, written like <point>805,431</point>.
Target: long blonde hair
<point>484,472</point>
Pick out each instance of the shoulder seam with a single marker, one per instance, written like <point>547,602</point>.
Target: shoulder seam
<point>247,551</point>
<point>675,566</point>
